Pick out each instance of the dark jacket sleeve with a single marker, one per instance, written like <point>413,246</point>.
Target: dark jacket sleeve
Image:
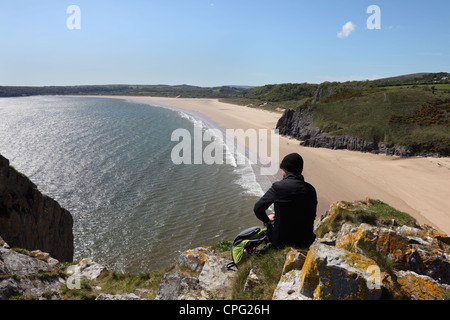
<point>264,203</point>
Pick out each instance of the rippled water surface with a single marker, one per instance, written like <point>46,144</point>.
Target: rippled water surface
<point>108,161</point>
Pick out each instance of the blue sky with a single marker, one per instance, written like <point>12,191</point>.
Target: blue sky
<point>219,42</point>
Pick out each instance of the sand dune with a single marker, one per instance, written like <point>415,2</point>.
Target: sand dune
<point>418,186</point>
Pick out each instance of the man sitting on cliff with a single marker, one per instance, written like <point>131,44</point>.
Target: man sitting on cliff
<point>295,203</point>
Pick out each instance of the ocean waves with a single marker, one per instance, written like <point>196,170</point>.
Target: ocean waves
<point>108,162</point>
<point>245,175</point>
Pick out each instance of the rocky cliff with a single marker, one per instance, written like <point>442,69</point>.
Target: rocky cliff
<point>368,262</point>
<point>295,124</point>
<point>350,262</point>
<point>374,260</point>
<point>31,220</point>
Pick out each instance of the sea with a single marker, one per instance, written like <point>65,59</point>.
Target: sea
<point>109,162</point>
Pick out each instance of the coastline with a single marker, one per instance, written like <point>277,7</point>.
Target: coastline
<point>418,186</point>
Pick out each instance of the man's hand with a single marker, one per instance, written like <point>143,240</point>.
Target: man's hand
<point>271,217</point>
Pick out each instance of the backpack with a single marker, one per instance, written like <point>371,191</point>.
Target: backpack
<point>246,244</point>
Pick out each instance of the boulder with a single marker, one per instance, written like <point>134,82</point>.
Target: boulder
<point>177,286</point>
<point>215,275</point>
<point>212,276</point>
<point>169,286</point>
<point>22,274</point>
<point>9,288</point>
<point>19,264</point>
<point>331,273</point>
<point>252,281</point>
<point>86,269</point>
<point>367,238</point>
<point>46,257</point>
<point>288,287</point>
<point>212,270</point>
<point>195,259</point>
<point>418,287</point>
<point>434,263</point>
<point>419,252</point>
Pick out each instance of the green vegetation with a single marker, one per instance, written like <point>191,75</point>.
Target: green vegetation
<point>410,110</point>
<point>411,116</point>
<point>377,214</point>
<point>184,91</point>
<point>115,283</point>
<point>268,267</point>
<point>282,92</point>
<point>85,292</point>
<point>425,129</point>
<point>445,294</point>
<point>223,246</point>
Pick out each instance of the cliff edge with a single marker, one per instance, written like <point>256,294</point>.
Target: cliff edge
<point>295,124</point>
<point>31,220</point>
<point>365,250</point>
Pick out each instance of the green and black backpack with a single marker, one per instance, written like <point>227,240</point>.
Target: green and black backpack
<point>247,243</point>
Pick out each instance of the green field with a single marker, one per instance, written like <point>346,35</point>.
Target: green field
<point>410,110</point>
<point>414,117</point>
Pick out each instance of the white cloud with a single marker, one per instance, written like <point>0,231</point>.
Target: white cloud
<point>348,28</point>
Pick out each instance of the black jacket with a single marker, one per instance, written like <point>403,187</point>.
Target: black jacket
<point>295,203</point>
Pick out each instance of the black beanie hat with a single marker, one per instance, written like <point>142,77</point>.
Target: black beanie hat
<point>292,163</point>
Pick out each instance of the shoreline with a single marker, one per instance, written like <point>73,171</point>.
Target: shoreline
<point>418,186</point>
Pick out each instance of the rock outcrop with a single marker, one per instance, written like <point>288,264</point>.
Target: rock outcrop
<point>350,261</point>
<point>31,220</point>
<point>368,262</point>
<point>357,262</point>
<point>295,124</point>
<point>37,275</point>
<point>211,277</point>
<point>28,274</point>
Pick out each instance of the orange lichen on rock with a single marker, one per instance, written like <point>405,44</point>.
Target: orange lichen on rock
<point>196,258</point>
<point>332,273</point>
<point>294,260</point>
<point>419,287</point>
<point>368,238</point>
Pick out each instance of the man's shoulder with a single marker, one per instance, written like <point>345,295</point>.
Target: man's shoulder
<point>277,185</point>
<point>293,183</point>
<point>309,186</point>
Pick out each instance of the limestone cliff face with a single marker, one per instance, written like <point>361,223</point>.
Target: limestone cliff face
<point>31,220</point>
<point>293,123</point>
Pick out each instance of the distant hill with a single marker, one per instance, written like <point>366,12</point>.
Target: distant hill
<point>430,77</point>
<point>185,91</point>
<point>411,111</point>
<point>405,115</point>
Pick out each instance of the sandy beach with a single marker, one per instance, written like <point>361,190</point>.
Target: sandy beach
<point>419,186</point>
